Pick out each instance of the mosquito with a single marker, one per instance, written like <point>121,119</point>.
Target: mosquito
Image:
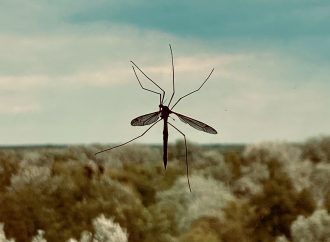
<point>164,113</point>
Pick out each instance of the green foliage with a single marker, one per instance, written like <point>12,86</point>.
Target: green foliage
<point>203,229</point>
<point>317,149</point>
<point>277,206</point>
<point>9,162</point>
<point>62,191</point>
<point>314,228</point>
<point>234,160</point>
<point>235,226</point>
<point>80,194</point>
<point>327,204</point>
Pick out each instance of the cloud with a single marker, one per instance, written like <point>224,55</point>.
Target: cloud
<point>65,72</point>
<point>11,108</point>
<point>23,83</point>
<point>214,19</point>
<point>10,105</point>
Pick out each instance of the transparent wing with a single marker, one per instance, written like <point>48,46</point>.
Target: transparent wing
<point>196,124</point>
<point>146,119</point>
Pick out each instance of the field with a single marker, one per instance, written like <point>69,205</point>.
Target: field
<point>255,193</point>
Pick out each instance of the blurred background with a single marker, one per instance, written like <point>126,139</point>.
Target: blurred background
<point>66,77</point>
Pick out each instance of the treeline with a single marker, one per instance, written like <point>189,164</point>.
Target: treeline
<point>262,192</point>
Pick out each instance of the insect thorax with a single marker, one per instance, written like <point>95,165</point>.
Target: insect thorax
<point>165,111</point>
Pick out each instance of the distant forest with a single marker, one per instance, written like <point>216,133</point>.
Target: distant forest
<point>270,192</point>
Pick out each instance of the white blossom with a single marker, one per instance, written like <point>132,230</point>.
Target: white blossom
<point>268,151</point>
<point>85,237</point>
<point>289,156</point>
<point>3,236</point>
<point>281,239</point>
<point>251,181</point>
<point>315,228</point>
<point>215,166</point>
<point>320,182</point>
<point>39,237</point>
<point>208,198</point>
<point>106,230</point>
<point>30,175</point>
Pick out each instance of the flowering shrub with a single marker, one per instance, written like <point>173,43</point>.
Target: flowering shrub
<point>277,206</point>
<point>267,152</point>
<point>320,182</point>
<point>213,165</point>
<point>282,239</point>
<point>66,197</point>
<point>208,197</point>
<point>30,175</point>
<point>39,237</point>
<point>317,149</point>
<point>264,192</point>
<point>315,228</point>
<point>106,230</point>
<point>252,179</point>
<point>287,155</point>
<point>9,164</point>
<point>3,236</point>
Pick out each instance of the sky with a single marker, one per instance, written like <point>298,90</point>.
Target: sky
<point>66,76</point>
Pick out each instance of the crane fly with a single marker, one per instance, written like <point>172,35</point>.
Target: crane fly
<point>163,114</point>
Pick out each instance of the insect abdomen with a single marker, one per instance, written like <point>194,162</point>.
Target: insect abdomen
<point>165,141</point>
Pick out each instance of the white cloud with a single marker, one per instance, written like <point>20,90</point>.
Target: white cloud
<point>23,83</point>
<point>15,107</point>
<point>252,95</point>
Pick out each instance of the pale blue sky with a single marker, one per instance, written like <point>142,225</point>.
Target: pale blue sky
<point>65,75</point>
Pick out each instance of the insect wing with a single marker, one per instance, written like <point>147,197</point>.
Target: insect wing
<point>146,119</point>
<point>196,124</point>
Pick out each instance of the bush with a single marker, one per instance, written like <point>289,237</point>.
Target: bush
<point>9,164</point>
<point>277,206</point>
<point>208,198</point>
<point>67,201</point>
<point>106,230</point>
<point>3,236</point>
<point>257,194</point>
<point>317,149</point>
<point>320,182</point>
<point>315,228</point>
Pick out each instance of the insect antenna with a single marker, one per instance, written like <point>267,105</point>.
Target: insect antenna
<point>172,76</point>
<point>129,140</point>
<point>194,90</point>
<point>162,98</point>
<point>185,144</point>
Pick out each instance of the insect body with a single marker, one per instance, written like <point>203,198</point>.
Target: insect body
<point>163,114</point>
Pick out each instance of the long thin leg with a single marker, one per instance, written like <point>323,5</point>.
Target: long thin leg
<point>162,99</point>
<point>172,76</point>
<point>194,90</point>
<point>160,95</point>
<point>129,140</point>
<point>185,143</point>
